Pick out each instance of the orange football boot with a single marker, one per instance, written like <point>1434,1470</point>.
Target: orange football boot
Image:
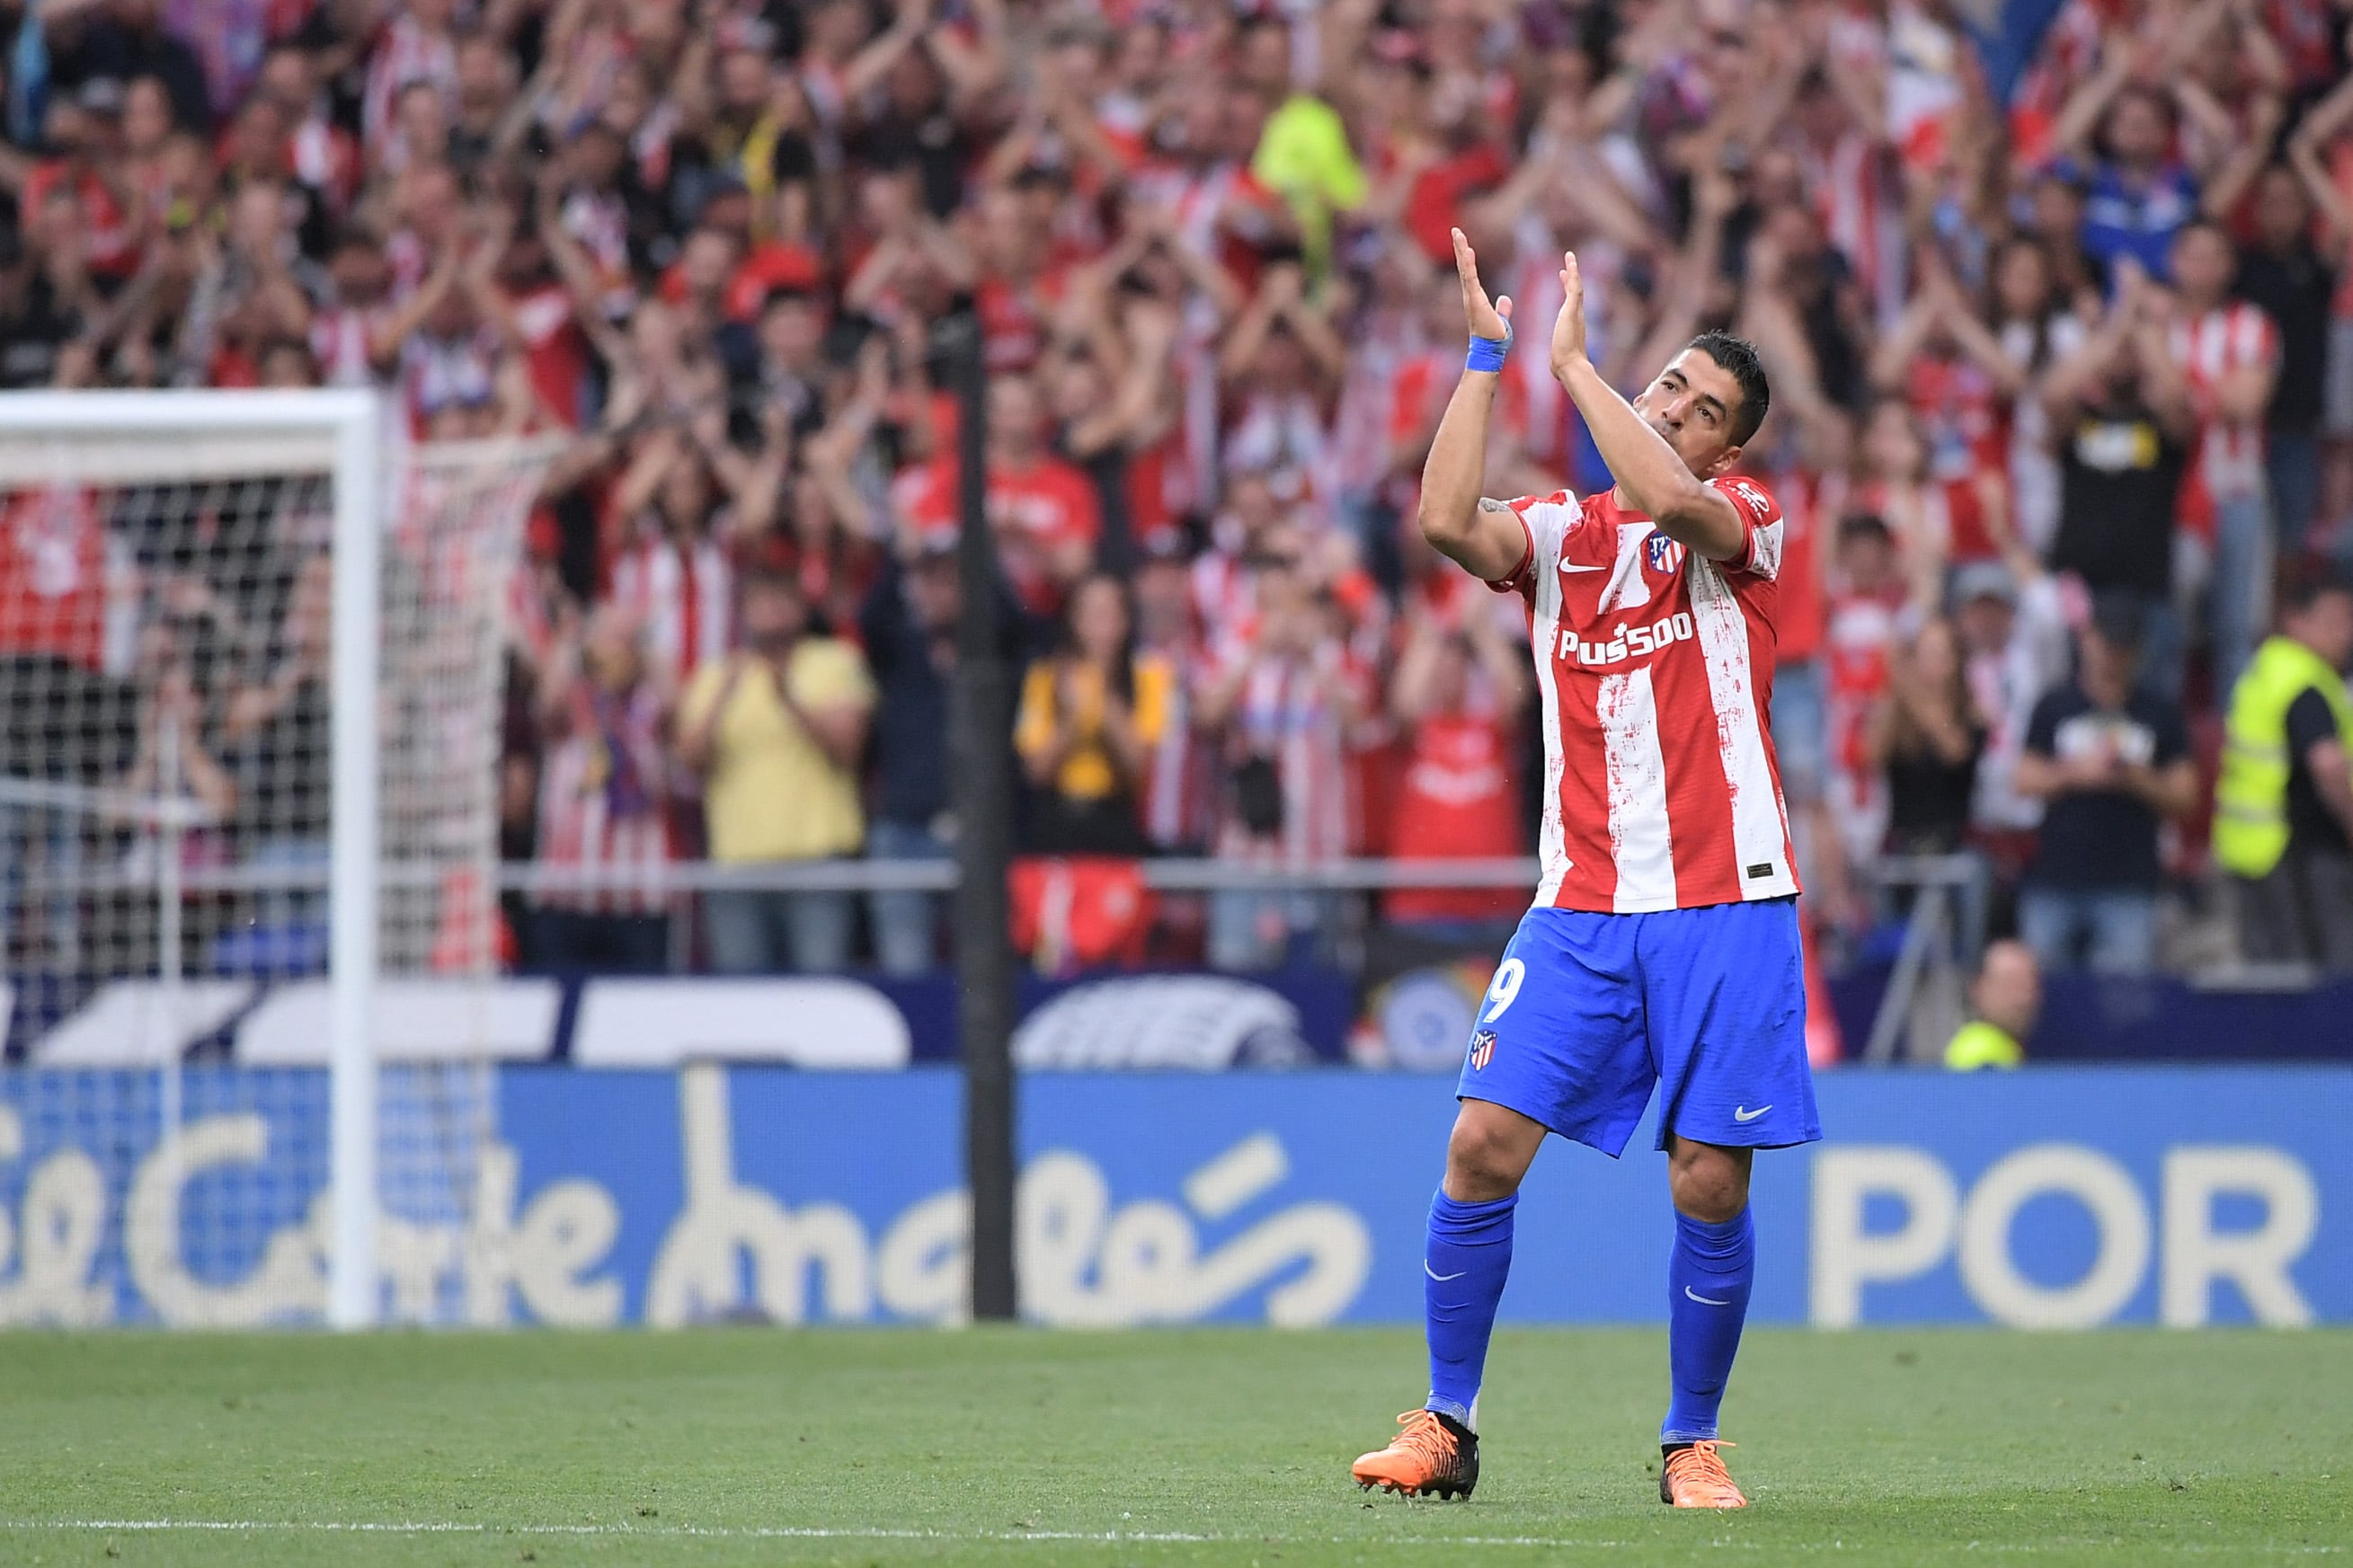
<point>1695,1477</point>
<point>1429,1456</point>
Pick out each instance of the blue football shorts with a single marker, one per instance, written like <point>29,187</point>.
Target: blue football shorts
<point>1587,1012</point>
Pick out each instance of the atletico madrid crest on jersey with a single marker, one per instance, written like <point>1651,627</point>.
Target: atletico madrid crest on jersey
<point>1483,1049</point>
<point>1657,670</point>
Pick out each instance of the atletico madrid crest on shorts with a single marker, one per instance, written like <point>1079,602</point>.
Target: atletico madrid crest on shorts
<point>1483,1048</point>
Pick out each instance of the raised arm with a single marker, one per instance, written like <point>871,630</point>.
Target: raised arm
<point>871,63</point>
<point>2236,171</point>
<point>2323,120</point>
<point>1483,537</point>
<point>1892,361</point>
<point>2162,384</point>
<point>1769,320</point>
<point>386,334</point>
<point>1321,342</point>
<point>974,67</point>
<point>2066,384</point>
<point>1713,197</point>
<point>2080,115</point>
<point>2336,217</point>
<point>1647,469</point>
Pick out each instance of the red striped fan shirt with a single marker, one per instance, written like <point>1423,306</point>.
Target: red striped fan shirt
<point>2208,348</point>
<point>602,803</point>
<point>682,593</point>
<point>1655,666</point>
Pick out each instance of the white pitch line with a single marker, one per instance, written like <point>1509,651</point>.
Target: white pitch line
<point>1109,1537</point>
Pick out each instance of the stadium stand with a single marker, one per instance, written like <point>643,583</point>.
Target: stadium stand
<point>2062,348</point>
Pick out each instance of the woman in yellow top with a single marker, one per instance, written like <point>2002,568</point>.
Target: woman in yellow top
<point>1090,715</point>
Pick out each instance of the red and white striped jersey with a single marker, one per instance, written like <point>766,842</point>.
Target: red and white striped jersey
<point>55,580</point>
<point>1856,193</point>
<point>1290,713</point>
<point>1655,666</point>
<point>407,52</point>
<point>602,799</point>
<point>682,593</point>
<point>2208,348</point>
<point>1176,795</point>
<point>324,156</point>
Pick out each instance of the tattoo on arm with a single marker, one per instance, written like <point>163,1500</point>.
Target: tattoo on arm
<point>1487,503</point>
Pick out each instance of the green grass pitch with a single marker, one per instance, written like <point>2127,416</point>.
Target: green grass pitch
<point>1198,1447</point>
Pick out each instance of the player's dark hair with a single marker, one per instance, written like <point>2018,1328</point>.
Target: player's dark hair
<point>1738,358</point>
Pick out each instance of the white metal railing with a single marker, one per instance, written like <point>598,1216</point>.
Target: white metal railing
<point>1190,874</point>
<point>1182,874</point>
<point>1942,935</point>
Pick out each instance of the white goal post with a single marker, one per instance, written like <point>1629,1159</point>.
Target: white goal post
<point>115,436</point>
<point>183,466</point>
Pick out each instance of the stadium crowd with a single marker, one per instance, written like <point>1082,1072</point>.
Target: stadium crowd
<point>2061,360</point>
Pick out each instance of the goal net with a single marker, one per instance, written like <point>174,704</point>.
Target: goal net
<point>251,667</point>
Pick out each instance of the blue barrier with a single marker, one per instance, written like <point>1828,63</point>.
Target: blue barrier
<point>1286,1018</point>
<point>1416,1016</point>
<point>2047,1199</point>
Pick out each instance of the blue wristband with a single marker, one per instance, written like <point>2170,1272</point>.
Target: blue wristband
<point>1487,353</point>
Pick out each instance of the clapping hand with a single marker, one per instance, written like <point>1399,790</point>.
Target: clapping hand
<point>1568,327</point>
<point>1493,321</point>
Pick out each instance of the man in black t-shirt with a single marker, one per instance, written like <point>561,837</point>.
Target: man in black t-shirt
<point>2120,424</point>
<point>2110,762</point>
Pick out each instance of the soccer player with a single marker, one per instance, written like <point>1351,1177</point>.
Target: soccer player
<point>1662,944</point>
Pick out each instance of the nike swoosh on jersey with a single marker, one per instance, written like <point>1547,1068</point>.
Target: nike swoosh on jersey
<point>1580,566</point>
<point>1741,1113</point>
<point>1702,1300</point>
<point>1441,1278</point>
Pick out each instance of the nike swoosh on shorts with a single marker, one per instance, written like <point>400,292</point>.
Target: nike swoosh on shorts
<point>1741,1113</point>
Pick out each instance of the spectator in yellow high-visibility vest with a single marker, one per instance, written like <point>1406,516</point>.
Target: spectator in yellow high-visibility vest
<point>2283,805</point>
<point>2007,996</point>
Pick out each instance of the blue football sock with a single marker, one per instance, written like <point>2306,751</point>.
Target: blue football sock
<point>1462,1268</point>
<point>1707,1298</point>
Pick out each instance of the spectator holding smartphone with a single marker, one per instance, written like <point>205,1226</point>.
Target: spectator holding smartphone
<point>1282,699</point>
<point>776,729</point>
